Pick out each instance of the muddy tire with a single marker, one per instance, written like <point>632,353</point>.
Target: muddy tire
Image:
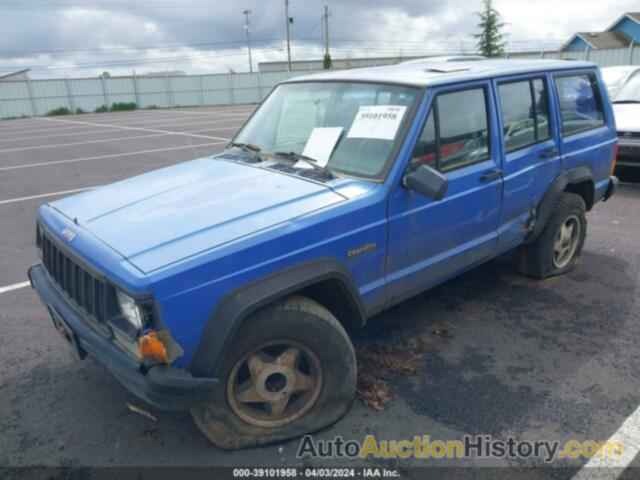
<point>559,246</point>
<point>290,370</point>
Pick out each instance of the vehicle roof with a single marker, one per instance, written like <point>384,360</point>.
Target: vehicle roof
<point>424,74</point>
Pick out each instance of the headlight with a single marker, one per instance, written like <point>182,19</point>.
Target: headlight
<point>130,310</point>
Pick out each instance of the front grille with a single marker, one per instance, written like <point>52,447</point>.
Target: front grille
<point>83,289</point>
<point>629,134</point>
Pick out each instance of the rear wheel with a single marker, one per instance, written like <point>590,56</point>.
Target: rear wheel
<point>290,370</point>
<point>558,247</point>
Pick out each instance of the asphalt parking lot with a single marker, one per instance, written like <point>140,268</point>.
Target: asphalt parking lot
<point>489,353</point>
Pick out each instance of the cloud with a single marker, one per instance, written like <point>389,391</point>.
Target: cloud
<point>73,37</point>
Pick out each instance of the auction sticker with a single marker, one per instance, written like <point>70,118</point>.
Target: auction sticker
<point>379,122</point>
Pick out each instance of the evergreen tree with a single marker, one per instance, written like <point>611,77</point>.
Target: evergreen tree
<point>326,62</point>
<point>491,41</point>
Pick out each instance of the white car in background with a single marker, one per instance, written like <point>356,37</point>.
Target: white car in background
<point>626,109</point>
<point>615,77</point>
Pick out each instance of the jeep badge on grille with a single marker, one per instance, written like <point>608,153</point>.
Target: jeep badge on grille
<point>68,234</point>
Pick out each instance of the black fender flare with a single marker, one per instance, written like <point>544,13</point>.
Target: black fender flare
<point>551,196</point>
<point>230,312</point>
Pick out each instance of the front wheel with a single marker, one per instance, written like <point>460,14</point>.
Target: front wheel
<point>290,370</point>
<point>558,247</point>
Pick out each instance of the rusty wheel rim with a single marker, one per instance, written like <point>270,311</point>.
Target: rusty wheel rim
<point>275,383</point>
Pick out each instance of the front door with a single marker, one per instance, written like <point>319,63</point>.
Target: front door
<point>430,241</point>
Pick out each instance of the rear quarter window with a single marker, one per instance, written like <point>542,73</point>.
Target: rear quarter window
<point>580,102</point>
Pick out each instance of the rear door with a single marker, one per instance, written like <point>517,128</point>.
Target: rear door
<point>529,148</point>
<point>430,241</point>
<point>587,129</point>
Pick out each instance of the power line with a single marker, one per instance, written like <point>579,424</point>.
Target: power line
<point>343,40</point>
<point>134,47</point>
<point>128,5</point>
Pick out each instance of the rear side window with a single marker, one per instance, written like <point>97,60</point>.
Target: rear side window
<point>525,116</point>
<point>456,132</point>
<point>580,103</point>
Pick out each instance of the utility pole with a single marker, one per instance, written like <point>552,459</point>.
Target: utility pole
<point>246,29</point>
<point>327,57</point>
<point>288,20</point>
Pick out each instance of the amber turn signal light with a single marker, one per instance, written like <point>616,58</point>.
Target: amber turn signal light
<point>614,160</point>
<point>150,345</point>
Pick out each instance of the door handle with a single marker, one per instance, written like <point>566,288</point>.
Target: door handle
<point>491,175</point>
<point>549,153</point>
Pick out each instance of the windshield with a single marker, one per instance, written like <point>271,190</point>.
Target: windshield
<point>350,127</point>
<point>630,92</point>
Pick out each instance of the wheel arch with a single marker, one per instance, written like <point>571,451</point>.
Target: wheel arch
<point>325,281</point>
<point>578,180</point>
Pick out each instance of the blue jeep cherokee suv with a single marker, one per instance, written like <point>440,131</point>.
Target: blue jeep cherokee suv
<point>224,285</point>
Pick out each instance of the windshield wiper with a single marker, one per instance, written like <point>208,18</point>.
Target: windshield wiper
<point>247,147</point>
<point>626,101</point>
<point>308,160</point>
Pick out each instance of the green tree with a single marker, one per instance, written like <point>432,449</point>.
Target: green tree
<point>327,64</point>
<point>491,41</point>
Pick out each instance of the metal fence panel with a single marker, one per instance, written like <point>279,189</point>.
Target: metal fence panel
<point>87,93</point>
<point>246,88</point>
<point>152,92</point>
<point>185,91</point>
<point>217,90</point>
<point>49,95</point>
<point>14,100</point>
<point>38,97</point>
<point>120,90</point>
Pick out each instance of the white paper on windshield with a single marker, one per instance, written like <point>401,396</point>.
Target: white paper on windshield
<point>320,145</point>
<point>380,122</point>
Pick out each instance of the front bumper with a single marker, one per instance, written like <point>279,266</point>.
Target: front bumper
<point>164,386</point>
<point>628,152</point>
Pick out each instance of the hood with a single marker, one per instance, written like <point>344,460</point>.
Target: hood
<point>167,215</point>
<point>627,117</point>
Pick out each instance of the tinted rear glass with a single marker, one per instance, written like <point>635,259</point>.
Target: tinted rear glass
<point>580,103</point>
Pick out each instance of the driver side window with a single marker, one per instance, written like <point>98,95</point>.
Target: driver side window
<point>456,132</point>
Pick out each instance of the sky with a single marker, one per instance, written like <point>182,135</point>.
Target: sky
<point>72,38</point>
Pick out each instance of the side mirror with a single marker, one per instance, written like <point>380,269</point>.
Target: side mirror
<point>427,182</point>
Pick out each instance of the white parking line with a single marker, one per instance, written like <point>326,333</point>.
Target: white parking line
<point>113,155</point>
<point>80,124</point>
<point>86,142</point>
<point>149,120</point>
<point>102,130</point>
<point>15,286</point>
<point>106,140</point>
<point>43,195</point>
<point>208,112</point>
<point>611,467</point>
<point>141,129</point>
